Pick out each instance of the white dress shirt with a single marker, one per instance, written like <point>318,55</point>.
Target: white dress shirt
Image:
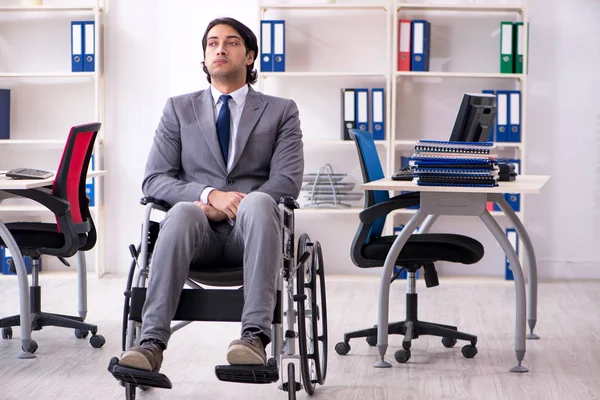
<point>236,106</point>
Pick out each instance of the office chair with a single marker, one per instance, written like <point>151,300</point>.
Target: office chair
<point>73,231</point>
<point>300,300</point>
<point>370,248</point>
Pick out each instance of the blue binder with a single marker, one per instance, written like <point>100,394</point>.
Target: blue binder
<point>513,238</point>
<point>279,46</point>
<point>77,46</point>
<point>378,113</point>
<point>6,259</point>
<point>4,113</point>
<point>514,127</point>
<point>266,46</point>
<point>492,137</point>
<point>503,115</point>
<point>90,184</point>
<point>89,46</point>
<point>362,109</point>
<point>419,51</point>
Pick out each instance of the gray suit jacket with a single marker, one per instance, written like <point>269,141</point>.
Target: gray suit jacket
<point>186,158</point>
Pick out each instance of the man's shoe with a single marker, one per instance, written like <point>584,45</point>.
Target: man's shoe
<point>248,350</point>
<point>148,357</point>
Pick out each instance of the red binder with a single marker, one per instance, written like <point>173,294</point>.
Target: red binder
<point>404,39</point>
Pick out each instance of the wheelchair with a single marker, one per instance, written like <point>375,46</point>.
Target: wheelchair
<point>301,301</point>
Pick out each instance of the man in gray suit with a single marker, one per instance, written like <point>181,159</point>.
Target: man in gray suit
<point>222,157</point>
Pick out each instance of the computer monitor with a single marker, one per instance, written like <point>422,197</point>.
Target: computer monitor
<point>475,118</point>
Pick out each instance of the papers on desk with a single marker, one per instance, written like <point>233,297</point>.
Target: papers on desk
<point>443,163</point>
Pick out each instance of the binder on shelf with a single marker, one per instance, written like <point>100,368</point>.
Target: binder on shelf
<point>378,113</point>
<point>502,116</point>
<point>279,46</point>
<point>362,109</point>
<point>421,31</point>
<point>348,112</point>
<point>90,184</point>
<point>4,113</point>
<point>492,137</point>
<point>519,45</point>
<point>514,131</point>
<point>404,39</point>
<point>76,46</point>
<point>513,238</point>
<point>266,41</point>
<point>506,47</point>
<point>7,267</point>
<point>89,46</point>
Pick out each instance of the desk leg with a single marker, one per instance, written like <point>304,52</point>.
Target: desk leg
<point>82,284</point>
<point>25,310</point>
<point>429,221</point>
<point>532,282</point>
<point>384,287</point>
<point>521,300</point>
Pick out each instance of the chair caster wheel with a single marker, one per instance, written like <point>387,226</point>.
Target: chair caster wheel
<point>342,348</point>
<point>372,340</point>
<point>97,341</point>
<point>33,346</point>
<point>448,341</point>
<point>469,351</point>
<point>81,334</point>
<point>402,356</point>
<point>7,333</point>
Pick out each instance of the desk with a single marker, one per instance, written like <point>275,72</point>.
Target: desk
<point>467,201</point>
<point>24,306</point>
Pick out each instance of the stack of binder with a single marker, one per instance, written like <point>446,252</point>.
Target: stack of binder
<point>444,163</point>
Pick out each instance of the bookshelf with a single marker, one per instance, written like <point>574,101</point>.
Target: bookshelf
<point>35,82</point>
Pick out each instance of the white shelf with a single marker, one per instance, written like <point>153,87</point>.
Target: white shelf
<point>323,211</point>
<point>460,7</point>
<point>433,74</point>
<point>32,141</point>
<point>411,143</point>
<point>46,8</point>
<point>333,6</point>
<point>321,74</point>
<point>338,143</point>
<point>86,75</point>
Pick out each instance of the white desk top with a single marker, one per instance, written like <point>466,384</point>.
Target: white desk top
<point>15,184</point>
<point>523,184</point>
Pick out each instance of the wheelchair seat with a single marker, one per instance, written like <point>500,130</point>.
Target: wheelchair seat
<point>300,293</point>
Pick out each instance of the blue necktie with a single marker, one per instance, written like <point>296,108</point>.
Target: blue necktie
<point>223,126</point>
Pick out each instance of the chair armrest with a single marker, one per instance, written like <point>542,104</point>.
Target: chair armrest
<point>55,204</point>
<point>370,214</point>
<point>289,202</point>
<point>160,204</point>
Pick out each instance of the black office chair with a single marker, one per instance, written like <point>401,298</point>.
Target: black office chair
<point>73,231</point>
<point>370,248</point>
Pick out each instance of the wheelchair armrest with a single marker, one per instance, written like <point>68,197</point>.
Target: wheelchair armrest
<point>160,204</point>
<point>289,202</point>
<point>370,214</point>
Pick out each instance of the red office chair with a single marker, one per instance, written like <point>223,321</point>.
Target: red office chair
<point>73,231</point>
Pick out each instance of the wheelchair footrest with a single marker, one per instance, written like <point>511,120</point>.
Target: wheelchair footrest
<point>248,373</point>
<point>137,376</point>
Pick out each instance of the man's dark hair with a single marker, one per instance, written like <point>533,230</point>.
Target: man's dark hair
<point>250,43</point>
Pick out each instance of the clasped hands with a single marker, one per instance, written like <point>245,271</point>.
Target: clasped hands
<point>222,205</point>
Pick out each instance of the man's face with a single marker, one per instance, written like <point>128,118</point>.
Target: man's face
<point>225,55</point>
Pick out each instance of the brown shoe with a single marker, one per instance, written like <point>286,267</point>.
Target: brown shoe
<point>148,357</point>
<point>248,350</point>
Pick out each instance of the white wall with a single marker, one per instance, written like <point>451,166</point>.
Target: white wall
<point>154,51</point>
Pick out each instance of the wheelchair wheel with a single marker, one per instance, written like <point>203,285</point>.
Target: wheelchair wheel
<point>319,318</point>
<point>312,346</point>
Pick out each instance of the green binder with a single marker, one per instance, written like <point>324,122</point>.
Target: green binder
<point>506,47</point>
<point>519,37</point>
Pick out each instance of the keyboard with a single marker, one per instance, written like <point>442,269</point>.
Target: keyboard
<point>404,174</point>
<point>28,173</point>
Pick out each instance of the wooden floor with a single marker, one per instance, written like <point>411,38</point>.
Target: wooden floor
<point>564,364</point>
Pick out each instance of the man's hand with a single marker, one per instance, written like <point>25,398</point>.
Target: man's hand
<point>227,202</point>
<point>211,213</point>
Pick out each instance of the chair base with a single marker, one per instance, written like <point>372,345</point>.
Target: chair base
<point>411,328</point>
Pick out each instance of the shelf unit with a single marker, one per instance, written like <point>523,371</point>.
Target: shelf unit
<point>77,12</point>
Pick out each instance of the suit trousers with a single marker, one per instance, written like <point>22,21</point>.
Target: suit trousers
<point>188,237</point>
